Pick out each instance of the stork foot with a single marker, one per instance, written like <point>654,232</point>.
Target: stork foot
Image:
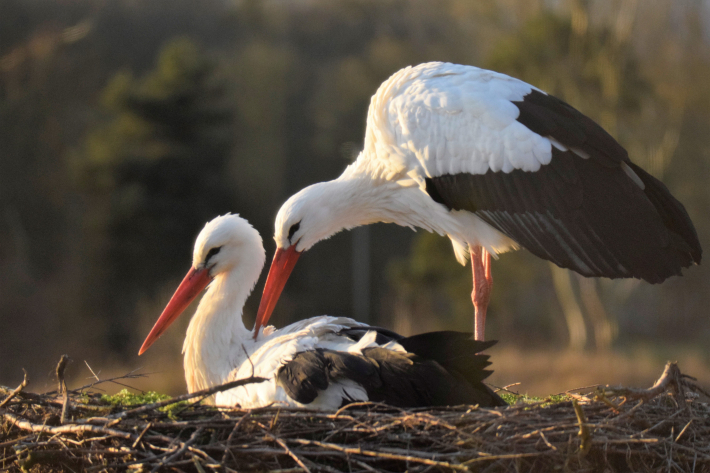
<point>482,286</point>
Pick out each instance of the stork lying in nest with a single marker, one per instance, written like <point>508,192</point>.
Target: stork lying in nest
<point>322,362</point>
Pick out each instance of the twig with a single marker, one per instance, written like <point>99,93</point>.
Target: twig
<point>645,435</point>
<point>71,428</point>
<point>231,435</point>
<point>180,451</point>
<point>129,375</point>
<point>140,436</point>
<point>61,366</point>
<point>248,359</point>
<point>144,460</point>
<point>18,389</point>
<point>197,464</point>
<point>370,404</point>
<point>14,441</point>
<point>62,387</point>
<point>184,397</point>
<point>547,442</point>
<point>372,453</point>
<point>506,388</point>
<point>512,456</point>
<point>683,431</point>
<point>96,377</point>
<point>669,378</point>
<point>584,434</point>
<point>289,452</point>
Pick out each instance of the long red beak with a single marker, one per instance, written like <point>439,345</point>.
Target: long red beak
<point>281,267</point>
<point>190,287</point>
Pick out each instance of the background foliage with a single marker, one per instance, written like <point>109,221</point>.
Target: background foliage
<point>124,126</point>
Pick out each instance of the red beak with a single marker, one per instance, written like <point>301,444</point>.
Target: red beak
<point>190,287</point>
<point>281,267</point>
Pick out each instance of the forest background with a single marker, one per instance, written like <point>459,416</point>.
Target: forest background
<point>126,125</point>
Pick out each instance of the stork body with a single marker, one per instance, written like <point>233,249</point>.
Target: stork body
<point>494,164</point>
<point>322,362</point>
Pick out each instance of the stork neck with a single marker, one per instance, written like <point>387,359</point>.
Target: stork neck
<point>217,330</point>
<point>353,201</point>
<point>356,198</point>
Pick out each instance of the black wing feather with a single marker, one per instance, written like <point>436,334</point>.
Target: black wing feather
<point>584,214</point>
<point>304,376</point>
<point>449,349</point>
<point>440,368</point>
<point>383,335</point>
<point>671,211</point>
<point>459,354</point>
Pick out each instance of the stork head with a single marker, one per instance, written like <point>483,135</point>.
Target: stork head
<point>313,214</point>
<point>307,217</point>
<point>227,243</point>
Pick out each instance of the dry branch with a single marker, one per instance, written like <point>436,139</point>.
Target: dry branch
<point>203,393</point>
<point>62,387</point>
<point>17,390</point>
<point>598,431</point>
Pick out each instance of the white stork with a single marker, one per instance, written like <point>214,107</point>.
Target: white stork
<point>322,362</point>
<point>494,164</point>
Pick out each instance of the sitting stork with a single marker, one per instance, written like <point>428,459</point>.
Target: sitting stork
<point>322,362</point>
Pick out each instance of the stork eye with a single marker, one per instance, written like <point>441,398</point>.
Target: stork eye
<point>294,228</point>
<point>211,253</point>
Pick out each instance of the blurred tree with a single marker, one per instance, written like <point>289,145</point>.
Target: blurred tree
<point>155,172</point>
<point>88,233</point>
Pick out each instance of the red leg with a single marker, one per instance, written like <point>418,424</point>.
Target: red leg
<point>482,285</point>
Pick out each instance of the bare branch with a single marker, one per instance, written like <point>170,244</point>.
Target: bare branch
<point>18,389</point>
<point>184,397</point>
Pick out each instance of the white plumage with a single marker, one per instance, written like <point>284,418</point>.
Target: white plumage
<point>446,118</point>
<point>428,120</point>
<point>492,162</point>
<point>218,347</point>
<point>228,257</point>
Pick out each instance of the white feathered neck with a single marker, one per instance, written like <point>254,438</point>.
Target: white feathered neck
<point>216,333</point>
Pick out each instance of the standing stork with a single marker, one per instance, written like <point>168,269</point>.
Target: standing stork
<point>494,164</point>
<point>322,362</point>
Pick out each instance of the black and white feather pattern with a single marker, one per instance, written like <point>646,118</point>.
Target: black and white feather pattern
<point>437,369</point>
<point>590,209</point>
<point>532,169</point>
<point>488,160</point>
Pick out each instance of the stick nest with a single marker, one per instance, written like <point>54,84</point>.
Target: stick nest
<point>665,427</point>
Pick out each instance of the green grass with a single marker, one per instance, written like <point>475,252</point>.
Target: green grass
<point>514,399</point>
<point>125,398</point>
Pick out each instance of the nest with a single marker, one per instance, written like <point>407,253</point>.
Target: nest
<point>666,427</point>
